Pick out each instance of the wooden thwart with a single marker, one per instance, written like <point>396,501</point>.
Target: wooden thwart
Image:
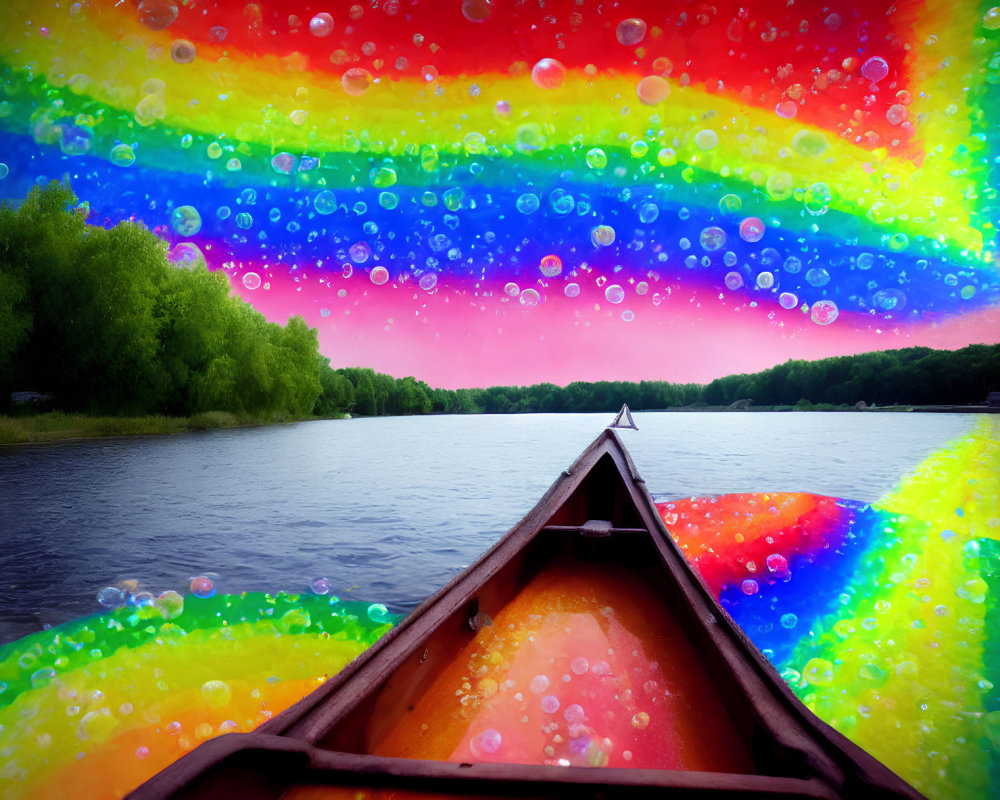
<point>598,515</point>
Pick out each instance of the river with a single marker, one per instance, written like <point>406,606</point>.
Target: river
<point>387,509</point>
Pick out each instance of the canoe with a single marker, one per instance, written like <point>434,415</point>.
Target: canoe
<point>580,656</point>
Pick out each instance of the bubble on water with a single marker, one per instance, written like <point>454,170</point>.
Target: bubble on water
<point>112,597</point>
<point>216,693</point>
<point>640,720</point>
<point>734,281</point>
<point>875,69</point>
<point>477,10</point>
<point>550,704</point>
<point>428,281</point>
<point>157,14</point>
<point>321,25</point>
<point>379,275</point>
<point>730,204</point>
<point>528,203</point>
<point>183,51</point>
<point>488,742</point>
<point>122,155</point>
<point>749,587</point>
<point>203,586</point>
<point>572,290</point>
<point>706,139</point>
<point>378,613</point>
<point>355,81</point>
<point>824,312</point>
<point>548,74</point>
<point>321,586</point>
<point>185,220</point>
<point>652,90</point>
<point>788,300</point>
<point>631,31</point>
<point>530,298</point>
<point>325,202</point>
<point>614,294</point>
<point>752,229</point>
<point>712,238</point>
<point>596,158</point>
<point>602,235</point>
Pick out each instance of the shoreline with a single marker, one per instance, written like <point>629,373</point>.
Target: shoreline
<point>57,426</point>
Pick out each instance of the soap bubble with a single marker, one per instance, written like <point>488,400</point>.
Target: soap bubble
<point>244,221</point>
<point>321,25</point>
<point>749,587</point>
<point>548,74</point>
<point>733,281</point>
<point>648,212</point>
<point>378,613</point>
<point>789,621</point>
<point>379,275</point>
<point>875,69</point>
<point>182,51</point>
<point>320,586</point>
<point>596,158</point>
<point>170,603</point>
<point>122,155</point>
<point>185,220</point>
<point>572,290</point>
<point>186,255</point>
<point>751,229</point>
<point>512,290</point>
<point>786,109</point>
<point>551,266</point>
<point>578,666</point>
<point>383,177</point>
<point>652,90</point>
<point>218,33</point>
<point>712,238</point>
<point>539,684</point>
<point>528,203</point>
<point>488,743</point>
<point>112,597</point>
<point>428,281</point>
<point>823,312</point>
<point>706,139</point>
<point>203,586</point>
<point>157,14</point>
<point>631,31</point>
<point>355,81</point>
<point>603,235</point>
<point>325,202</point>
<point>75,140</point>
<point>792,265</point>
<point>788,300</point>
<point>216,693</point>
<point>777,564</point>
<point>614,294</point>
<point>359,252</point>
<point>477,10</point>
<point>818,672</point>
<point>550,704</point>
<point>817,198</point>
<point>818,276</point>
<point>730,203</point>
<point>640,720</point>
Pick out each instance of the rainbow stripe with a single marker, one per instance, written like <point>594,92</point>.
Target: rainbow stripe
<point>794,171</point>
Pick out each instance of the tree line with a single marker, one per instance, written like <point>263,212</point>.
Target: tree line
<point>100,319</point>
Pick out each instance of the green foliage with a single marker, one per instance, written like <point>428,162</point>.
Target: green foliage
<point>102,320</point>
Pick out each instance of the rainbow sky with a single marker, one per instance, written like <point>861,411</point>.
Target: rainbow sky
<point>476,193</point>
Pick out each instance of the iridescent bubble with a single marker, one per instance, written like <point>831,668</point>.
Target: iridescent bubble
<point>539,684</point>
<point>789,621</point>
<point>639,149</point>
<point>792,265</point>
<point>244,221</point>
<point>325,202</point>
<point>550,704</point>
<point>530,298</point>
<point>752,229</point>
<point>182,51</point>
<point>562,202</point>
<point>734,281</point>
<point>818,276</point>
<point>730,203</point>
<point>379,275</point>
<point>652,90</point>
<point>640,720</point>
<point>786,109</point>
<point>596,158</point>
<point>203,586</point>
<point>4,171</point>
<point>875,69</point>
<point>383,177</point>
<point>897,114</point>
<point>548,74</point>
<point>248,197</point>
<point>512,290</point>
<point>321,586</point>
<point>321,25</point>
<point>818,672</point>
<point>170,603</point>
<point>817,198</point>
<point>967,292</point>
<point>788,300</point>
<point>551,266</point>
<point>157,14</point>
<point>112,597</point>
<point>614,294</point>
<point>122,155</point>
<point>216,693</point>
<point>749,587</point>
<point>185,220</point>
<point>488,742</point>
<point>572,290</point>
<point>648,212</point>
<point>823,312</point>
<point>706,139</point>
<point>355,81</point>
<point>251,280</point>
<point>477,10</point>
<point>528,203</point>
<point>777,564</point>
<point>627,315</point>
<point>603,235</point>
<point>218,33</point>
<point>574,714</point>
<point>428,281</point>
<point>712,238</point>
<point>359,252</point>
<point>186,255</point>
<point>378,613</point>
<point>631,31</point>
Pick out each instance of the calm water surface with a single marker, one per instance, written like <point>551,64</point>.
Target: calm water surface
<point>387,509</point>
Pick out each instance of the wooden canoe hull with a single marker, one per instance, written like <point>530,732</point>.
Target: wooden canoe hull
<point>597,512</point>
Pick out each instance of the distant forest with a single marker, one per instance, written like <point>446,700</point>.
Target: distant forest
<point>102,321</point>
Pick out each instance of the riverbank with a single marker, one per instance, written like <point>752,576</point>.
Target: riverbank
<point>58,426</point>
